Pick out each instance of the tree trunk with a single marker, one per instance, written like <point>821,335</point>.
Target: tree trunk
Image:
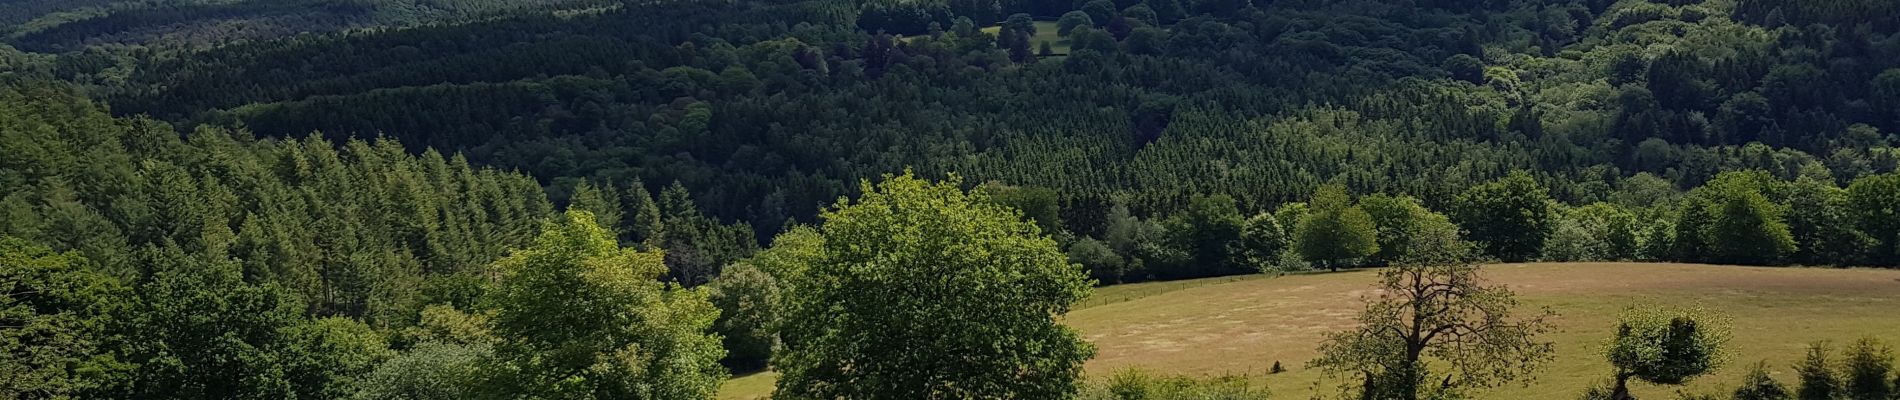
<point>1622,390</point>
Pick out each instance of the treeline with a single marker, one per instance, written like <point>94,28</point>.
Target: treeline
<point>69,26</point>
<point>768,110</point>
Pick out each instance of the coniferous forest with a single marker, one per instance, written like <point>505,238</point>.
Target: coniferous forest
<point>895,199</point>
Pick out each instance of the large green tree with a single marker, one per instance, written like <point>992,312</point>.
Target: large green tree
<point>1822,225</point>
<point>1401,220</point>
<point>1665,347</point>
<point>1511,217</point>
<point>1436,328</point>
<point>579,317</point>
<point>1876,204</point>
<point>55,323</point>
<point>923,291</point>
<point>1334,231</point>
<point>1210,232</point>
<point>1732,221</point>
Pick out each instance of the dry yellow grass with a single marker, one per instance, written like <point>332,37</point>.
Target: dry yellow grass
<point>1242,326</point>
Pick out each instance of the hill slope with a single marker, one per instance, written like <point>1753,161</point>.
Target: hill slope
<point>1243,325</point>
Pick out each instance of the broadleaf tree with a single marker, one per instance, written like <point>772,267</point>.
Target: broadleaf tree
<point>924,291</point>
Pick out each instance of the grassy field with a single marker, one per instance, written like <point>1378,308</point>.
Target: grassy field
<point>1243,325</point>
<point>1045,32</point>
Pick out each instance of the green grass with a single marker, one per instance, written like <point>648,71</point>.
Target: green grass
<point>1242,325</point>
<point>1045,32</point>
<point>756,385</point>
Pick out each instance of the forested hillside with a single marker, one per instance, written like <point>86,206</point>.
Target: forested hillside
<point>377,198</point>
<point>74,25</point>
<point>769,109</point>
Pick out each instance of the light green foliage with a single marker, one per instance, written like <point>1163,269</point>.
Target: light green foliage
<point>1759,386</point>
<point>328,354</point>
<point>1263,241</point>
<point>1334,231</point>
<point>1866,370</point>
<point>428,371</point>
<point>923,292</point>
<point>791,252</point>
<point>1134,384</point>
<point>1401,220</point>
<point>581,317</point>
<point>54,316</point>
<point>747,299</point>
<point>1510,217</point>
<point>1596,232</point>
<point>1436,321</point>
<point>1289,216</point>
<point>445,324</point>
<point>1665,346</point>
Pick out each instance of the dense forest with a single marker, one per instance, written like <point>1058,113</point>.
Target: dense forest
<point>370,199</point>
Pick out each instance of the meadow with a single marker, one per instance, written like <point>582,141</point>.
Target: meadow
<point>1222,326</point>
<point>1045,32</point>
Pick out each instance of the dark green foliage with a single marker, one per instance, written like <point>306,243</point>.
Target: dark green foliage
<point>1866,370</point>
<point>1103,264</point>
<point>1039,205</point>
<point>1465,68</point>
<point>1071,20</point>
<point>1210,232</point>
<point>1875,201</point>
<point>1758,386</point>
<point>1749,230</point>
<point>1510,217</point>
<point>1818,381</point>
<point>1822,226</point>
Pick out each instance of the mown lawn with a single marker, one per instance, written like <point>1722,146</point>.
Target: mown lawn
<point>1242,325</point>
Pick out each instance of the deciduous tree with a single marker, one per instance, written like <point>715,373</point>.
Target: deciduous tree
<point>1510,217</point>
<point>581,317</point>
<point>1439,309</point>
<point>923,291</point>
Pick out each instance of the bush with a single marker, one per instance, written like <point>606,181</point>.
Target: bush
<point>1867,365</point>
<point>1139,385</point>
<point>1758,386</point>
<point>745,296</point>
